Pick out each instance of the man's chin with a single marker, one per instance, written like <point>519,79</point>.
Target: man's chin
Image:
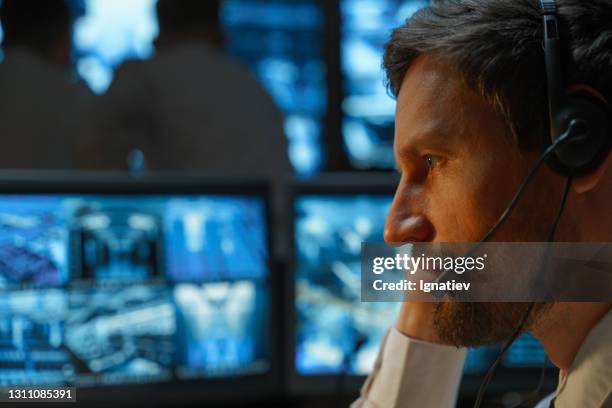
<point>478,324</point>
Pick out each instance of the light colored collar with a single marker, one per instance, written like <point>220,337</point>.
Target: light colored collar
<point>589,379</point>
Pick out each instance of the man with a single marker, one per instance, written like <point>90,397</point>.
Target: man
<point>190,107</point>
<point>471,120</point>
<point>40,102</point>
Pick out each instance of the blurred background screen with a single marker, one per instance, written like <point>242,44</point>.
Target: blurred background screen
<point>100,290</point>
<point>368,110</point>
<point>109,32</point>
<point>526,352</point>
<point>337,333</point>
<point>281,42</point>
<point>1,39</point>
<point>286,45</point>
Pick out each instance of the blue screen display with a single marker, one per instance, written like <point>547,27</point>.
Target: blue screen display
<point>219,327</point>
<point>336,333</point>
<point>283,43</point>
<point>109,32</point>
<point>525,352</point>
<point>368,110</point>
<point>33,242</point>
<point>478,360</point>
<point>99,290</point>
<point>32,350</point>
<point>1,39</point>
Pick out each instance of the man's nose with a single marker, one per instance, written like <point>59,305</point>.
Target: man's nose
<point>406,221</point>
<point>400,229</point>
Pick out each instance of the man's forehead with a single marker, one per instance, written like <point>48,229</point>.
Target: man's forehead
<point>434,100</point>
<point>430,77</point>
<point>431,91</point>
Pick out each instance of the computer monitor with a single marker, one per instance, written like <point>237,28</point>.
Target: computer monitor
<point>368,110</point>
<point>117,282</point>
<point>334,337</point>
<point>283,43</point>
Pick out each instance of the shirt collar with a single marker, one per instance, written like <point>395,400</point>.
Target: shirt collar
<point>589,379</point>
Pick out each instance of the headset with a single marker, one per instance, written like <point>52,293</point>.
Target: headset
<point>585,120</point>
<point>580,140</point>
<point>580,126</point>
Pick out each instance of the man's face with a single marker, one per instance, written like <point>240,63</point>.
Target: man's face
<point>459,171</point>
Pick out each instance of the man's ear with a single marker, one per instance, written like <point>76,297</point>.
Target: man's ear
<point>587,182</point>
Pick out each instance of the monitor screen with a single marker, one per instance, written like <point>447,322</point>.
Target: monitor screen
<point>335,332</point>
<point>283,44</point>
<point>109,32</point>
<point>479,359</point>
<point>526,351</point>
<point>368,110</point>
<point>1,39</point>
<point>107,290</point>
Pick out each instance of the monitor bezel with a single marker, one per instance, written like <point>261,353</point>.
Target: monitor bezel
<point>201,389</point>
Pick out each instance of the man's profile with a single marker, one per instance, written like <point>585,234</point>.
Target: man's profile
<point>471,119</point>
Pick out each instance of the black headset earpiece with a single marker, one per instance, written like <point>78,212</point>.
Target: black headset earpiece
<point>585,120</point>
<point>589,128</point>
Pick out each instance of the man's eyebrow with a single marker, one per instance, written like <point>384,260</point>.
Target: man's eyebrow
<point>438,139</point>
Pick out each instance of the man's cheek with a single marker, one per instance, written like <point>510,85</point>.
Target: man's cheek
<point>458,213</point>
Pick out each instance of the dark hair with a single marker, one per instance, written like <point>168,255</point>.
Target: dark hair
<point>496,47</point>
<point>35,24</point>
<point>188,15</point>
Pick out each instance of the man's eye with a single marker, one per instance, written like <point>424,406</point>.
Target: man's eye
<point>432,161</point>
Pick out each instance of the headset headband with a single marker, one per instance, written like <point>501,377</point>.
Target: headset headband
<point>552,54</point>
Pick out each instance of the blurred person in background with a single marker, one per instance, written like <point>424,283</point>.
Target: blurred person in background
<point>190,108</point>
<point>40,101</point>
